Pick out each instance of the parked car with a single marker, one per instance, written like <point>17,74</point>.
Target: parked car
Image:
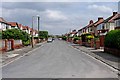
<point>50,39</point>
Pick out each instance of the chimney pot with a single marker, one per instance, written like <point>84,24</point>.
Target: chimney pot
<point>100,18</point>
<point>114,13</point>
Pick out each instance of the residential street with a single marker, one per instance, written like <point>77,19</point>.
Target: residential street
<point>57,60</point>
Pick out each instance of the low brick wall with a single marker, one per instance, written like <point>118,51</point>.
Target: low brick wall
<point>88,44</point>
<point>97,43</point>
<point>11,44</point>
<point>92,43</point>
<point>112,51</point>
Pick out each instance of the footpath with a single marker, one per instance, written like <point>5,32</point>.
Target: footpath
<point>109,59</point>
<point>9,56</point>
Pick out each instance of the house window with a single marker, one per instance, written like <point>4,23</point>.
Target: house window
<point>118,22</point>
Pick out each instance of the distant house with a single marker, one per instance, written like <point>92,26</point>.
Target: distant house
<point>14,25</point>
<point>28,29</point>
<point>20,26</point>
<point>90,27</point>
<point>79,32</point>
<point>24,28</point>
<point>73,33</point>
<point>36,33</point>
<point>98,27</point>
<point>4,25</point>
<point>117,22</point>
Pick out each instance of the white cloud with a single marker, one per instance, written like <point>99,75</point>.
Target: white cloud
<point>56,15</point>
<point>101,8</point>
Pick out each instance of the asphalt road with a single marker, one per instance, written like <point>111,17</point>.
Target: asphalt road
<point>57,60</point>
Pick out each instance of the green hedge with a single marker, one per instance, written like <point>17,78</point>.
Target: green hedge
<point>76,38</point>
<point>64,38</point>
<point>112,39</point>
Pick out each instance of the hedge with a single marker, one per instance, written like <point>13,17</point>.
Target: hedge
<point>64,38</point>
<point>76,38</point>
<point>112,39</point>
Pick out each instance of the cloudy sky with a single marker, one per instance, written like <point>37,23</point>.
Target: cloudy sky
<point>57,17</point>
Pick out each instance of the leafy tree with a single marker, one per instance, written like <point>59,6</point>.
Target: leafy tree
<point>15,34</point>
<point>43,34</point>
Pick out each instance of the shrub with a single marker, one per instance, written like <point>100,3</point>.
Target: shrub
<point>112,39</point>
<point>64,38</point>
<point>76,38</point>
<point>16,34</point>
<point>89,37</point>
<point>26,43</point>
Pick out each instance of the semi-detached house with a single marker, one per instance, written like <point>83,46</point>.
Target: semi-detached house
<point>117,22</point>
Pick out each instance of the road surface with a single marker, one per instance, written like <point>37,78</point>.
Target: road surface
<point>57,60</point>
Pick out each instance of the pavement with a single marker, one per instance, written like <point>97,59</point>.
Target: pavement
<point>9,56</point>
<point>57,60</point>
<point>99,54</point>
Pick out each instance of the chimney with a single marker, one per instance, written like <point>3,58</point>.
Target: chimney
<point>100,18</point>
<point>114,13</point>
<point>91,21</point>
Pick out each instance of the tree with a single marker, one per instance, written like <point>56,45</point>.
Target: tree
<point>15,34</point>
<point>43,34</point>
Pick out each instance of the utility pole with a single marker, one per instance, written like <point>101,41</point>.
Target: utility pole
<point>32,32</point>
<point>38,27</point>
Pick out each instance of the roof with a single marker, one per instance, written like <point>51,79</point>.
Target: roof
<point>19,25</point>
<point>2,20</point>
<point>99,22</point>
<point>113,18</point>
<point>90,23</point>
<point>24,27</point>
<point>13,23</point>
<point>117,17</point>
<point>110,19</point>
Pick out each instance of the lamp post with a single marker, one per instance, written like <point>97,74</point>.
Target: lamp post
<point>38,27</point>
<point>32,29</point>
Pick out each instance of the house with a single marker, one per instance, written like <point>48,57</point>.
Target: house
<point>24,28</point>
<point>20,26</point>
<point>90,27</point>
<point>28,29</point>
<point>14,25</point>
<point>109,23</point>
<point>36,33</point>
<point>117,22</point>
<point>79,32</point>
<point>73,33</point>
<point>98,27</point>
<point>4,25</point>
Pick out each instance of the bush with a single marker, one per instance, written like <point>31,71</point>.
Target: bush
<point>89,37</point>
<point>76,38</point>
<point>43,34</point>
<point>16,34</point>
<point>26,43</point>
<point>112,39</point>
<point>64,38</point>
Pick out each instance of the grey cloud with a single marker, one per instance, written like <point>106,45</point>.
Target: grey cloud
<point>77,15</point>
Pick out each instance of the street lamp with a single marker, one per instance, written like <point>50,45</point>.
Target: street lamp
<point>38,26</point>
<point>33,29</point>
